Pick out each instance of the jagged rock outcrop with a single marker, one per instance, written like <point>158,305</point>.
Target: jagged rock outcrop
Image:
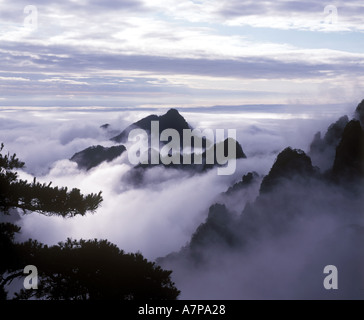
<point>322,150</point>
<point>359,113</point>
<point>349,159</point>
<point>245,182</point>
<point>290,163</point>
<point>95,155</point>
<point>215,231</point>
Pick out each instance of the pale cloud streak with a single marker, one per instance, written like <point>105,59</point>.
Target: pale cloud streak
<point>177,52</point>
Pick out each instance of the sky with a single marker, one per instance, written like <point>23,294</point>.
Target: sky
<point>95,54</point>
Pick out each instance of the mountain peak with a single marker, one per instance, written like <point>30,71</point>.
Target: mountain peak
<point>289,163</point>
<point>172,119</point>
<point>173,112</point>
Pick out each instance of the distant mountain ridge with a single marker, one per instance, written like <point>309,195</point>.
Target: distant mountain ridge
<point>95,155</point>
<point>292,184</point>
<point>172,119</point>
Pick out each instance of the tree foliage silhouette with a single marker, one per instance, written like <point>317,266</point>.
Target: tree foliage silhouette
<point>74,269</point>
<point>82,270</point>
<point>42,198</point>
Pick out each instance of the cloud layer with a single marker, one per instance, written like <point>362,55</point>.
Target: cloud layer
<point>160,215</point>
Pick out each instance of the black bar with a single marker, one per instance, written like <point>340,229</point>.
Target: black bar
<point>181,309</point>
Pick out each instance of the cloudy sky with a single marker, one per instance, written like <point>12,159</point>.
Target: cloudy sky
<point>185,53</point>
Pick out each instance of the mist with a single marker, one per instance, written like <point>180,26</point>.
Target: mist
<point>159,215</point>
<point>283,254</point>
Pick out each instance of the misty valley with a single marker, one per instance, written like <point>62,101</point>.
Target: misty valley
<point>109,211</point>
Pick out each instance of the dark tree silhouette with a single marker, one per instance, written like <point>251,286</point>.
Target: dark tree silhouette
<point>74,269</point>
<point>93,270</point>
<point>42,198</point>
<point>31,197</point>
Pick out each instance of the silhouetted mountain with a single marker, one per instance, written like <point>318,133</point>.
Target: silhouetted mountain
<point>171,120</point>
<point>215,231</point>
<point>332,136</point>
<point>289,164</point>
<point>291,184</point>
<point>239,154</point>
<point>271,211</point>
<point>322,150</point>
<point>105,126</point>
<point>359,113</point>
<point>245,182</point>
<point>93,156</point>
<point>349,160</point>
<point>299,215</point>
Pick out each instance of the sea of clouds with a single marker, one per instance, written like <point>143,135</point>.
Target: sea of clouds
<point>159,216</point>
